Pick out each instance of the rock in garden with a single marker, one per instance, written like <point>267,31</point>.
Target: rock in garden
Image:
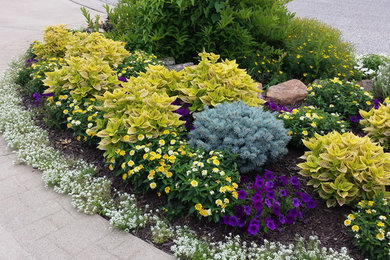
<point>179,67</point>
<point>260,87</point>
<point>366,84</point>
<point>288,93</point>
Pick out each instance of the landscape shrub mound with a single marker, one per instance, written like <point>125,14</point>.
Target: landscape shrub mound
<point>344,168</point>
<point>256,136</point>
<point>183,28</point>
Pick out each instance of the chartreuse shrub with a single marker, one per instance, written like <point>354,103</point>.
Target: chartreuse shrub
<point>341,97</point>
<point>370,227</point>
<point>376,123</point>
<point>256,136</point>
<point>83,76</point>
<point>381,83</point>
<point>136,62</point>
<point>142,105</point>
<point>211,82</point>
<point>183,28</point>
<point>96,45</point>
<point>195,182</point>
<point>316,51</point>
<point>269,203</point>
<point>305,121</point>
<point>55,40</point>
<point>345,168</point>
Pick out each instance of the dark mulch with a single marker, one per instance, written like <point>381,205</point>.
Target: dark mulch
<point>326,223</point>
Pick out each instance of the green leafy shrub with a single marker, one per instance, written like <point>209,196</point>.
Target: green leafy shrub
<point>137,62</point>
<point>84,76</point>
<point>381,83</point>
<point>96,45</point>
<point>367,66</point>
<point>256,136</point>
<point>266,65</point>
<point>370,227</point>
<point>336,96</point>
<point>183,28</point>
<point>55,40</point>
<point>211,83</point>
<point>316,51</point>
<point>376,123</point>
<point>191,179</point>
<point>305,121</point>
<point>142,105</point>
<point>345,168</point>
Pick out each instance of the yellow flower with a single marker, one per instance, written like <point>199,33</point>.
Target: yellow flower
<point>66,111</point>
<point>290,132</point>
<point>218,202</point>
<point>145,156</point>
<point>194,183</point>
<point>347,222</point>
<point>150,176</point>
<point>351,217</point>
<point>111,167</point>
<point>68,125</point>
<point>130,163</point>
<point>314,124</point>
<point>299,56</point>
<point>149,136</point>
<point>122,153</point>
<point>380,236</point>
<point>205,213</point>
<point>132,152</point>
<point>235,194</point>
<point>126,138</point>
<point>368,211</point>
<point>305,132</point>
<point>140,137</point>
<point>216,162</point>
<point>198,206</point>
<point>380,224</point>
<point>304,74</point>
<point>368,102</point>
<point>123,165</point>
<point>169,174</point>
<point>78,138</point>
<point>370,203</point>
<point>153,185</point>
<point>161,142</point>
<point>166,132</point>
<point>124,176</point>
<point>355,228</point>
<point>215,170</point>
<point>173,142</point>
<point>167,189</point>
<point>226,200</point>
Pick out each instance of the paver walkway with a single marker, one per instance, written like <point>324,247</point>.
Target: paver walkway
<point>36,223</point>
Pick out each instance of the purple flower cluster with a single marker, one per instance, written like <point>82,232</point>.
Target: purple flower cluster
<point>123,79</point>
<point>185,114</point>
<point>40,97</point>
<point>30,61</point>
<point>277,107</point>
<point>376,103</point>
<point>269,202</point>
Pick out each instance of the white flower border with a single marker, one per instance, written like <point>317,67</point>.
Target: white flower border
<point>93,195</point>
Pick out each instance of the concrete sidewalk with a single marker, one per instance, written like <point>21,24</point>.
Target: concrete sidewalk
<point>36,223</point>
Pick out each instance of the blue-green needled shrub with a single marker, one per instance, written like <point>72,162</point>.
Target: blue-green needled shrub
<point>255,135</point>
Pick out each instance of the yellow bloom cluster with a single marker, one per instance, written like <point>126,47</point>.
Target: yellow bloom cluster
<point>203,212</point>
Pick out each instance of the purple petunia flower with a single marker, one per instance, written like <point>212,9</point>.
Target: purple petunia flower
<point>282,219</point>
<point>270,194</point>
<point>259,182</point>
<point>257,197</point>
<point>304,197</point>
<point>355,118</point>
<point>247,210</point>
<point>241,222</point>
<point>276,210</point>
<point>269,184</point>
<point>290,219</point>
<point>284,193</point>
<point>295,202</point>
<point>242,194</point>
<point>311,204</point>
<point>268,175</point>
<point>293,212</point>
<point>376,103</point>
<point>283,181</point>
<point>233,221</point>
<point>294,182</point>
<point>253,229</point>
<point>123,79</point>
<point>268,203</point>
<point>270,223</point>
<point>258,205</point>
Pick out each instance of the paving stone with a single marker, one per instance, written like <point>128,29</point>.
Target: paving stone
<point>10,247</point>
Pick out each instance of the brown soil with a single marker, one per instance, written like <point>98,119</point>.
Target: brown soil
<point>326,223</point>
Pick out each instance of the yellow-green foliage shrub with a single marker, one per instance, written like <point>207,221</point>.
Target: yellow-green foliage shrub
<point>211,82</point>
<point>55,40</point>
<point>376,123</point>
<point>344,167</point>
<point>95,44</point>
<point>82,77</point>
<point>141,106</point>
